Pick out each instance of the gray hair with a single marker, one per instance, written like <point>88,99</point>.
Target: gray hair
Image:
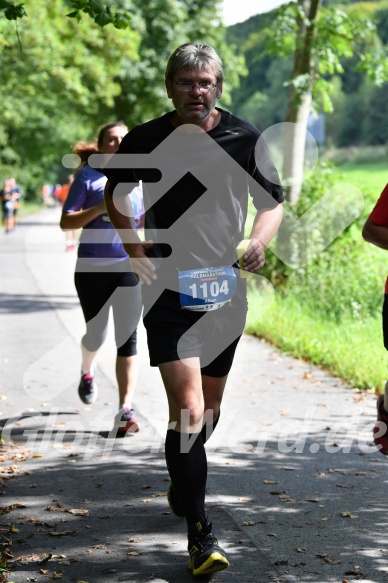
<point>191,56</point>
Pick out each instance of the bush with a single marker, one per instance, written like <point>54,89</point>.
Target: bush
<point>345,280</point>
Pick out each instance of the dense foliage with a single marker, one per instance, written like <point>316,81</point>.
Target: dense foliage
<point>344,281</point>
<point>356,107</point>
<point>64,76</point>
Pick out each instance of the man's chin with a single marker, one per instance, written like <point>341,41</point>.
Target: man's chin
<point>196,115</point>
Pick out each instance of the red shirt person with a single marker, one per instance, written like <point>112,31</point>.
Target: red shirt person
<point>375,231</point>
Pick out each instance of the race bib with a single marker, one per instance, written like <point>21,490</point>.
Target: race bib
<point>208,288</point>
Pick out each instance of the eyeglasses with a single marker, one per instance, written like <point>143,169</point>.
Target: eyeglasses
<point>187,86</point>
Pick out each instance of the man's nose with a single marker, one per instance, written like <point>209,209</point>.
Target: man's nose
<point>196,87</point>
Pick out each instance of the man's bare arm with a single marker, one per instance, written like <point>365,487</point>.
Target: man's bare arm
<point>375,234</point>
<point>264,228</point>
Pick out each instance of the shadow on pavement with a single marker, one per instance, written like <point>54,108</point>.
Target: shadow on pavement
<point>19,303</point>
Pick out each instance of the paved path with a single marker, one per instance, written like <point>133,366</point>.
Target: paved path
<point>295,487</point>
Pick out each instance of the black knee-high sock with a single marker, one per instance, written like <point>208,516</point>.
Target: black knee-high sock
<point>208,429</point>
<point>187,467</point>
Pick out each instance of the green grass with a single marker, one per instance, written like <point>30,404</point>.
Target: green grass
<point>369,178</point>
<point>29,208</point>
<point>352,350</point>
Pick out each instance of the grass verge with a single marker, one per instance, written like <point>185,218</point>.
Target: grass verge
<point>351,350</point>
<point>29,208</point>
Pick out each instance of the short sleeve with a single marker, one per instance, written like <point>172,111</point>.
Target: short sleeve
<point>379,215</point>
<point>77,193</point>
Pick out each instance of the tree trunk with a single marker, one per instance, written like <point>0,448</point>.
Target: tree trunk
<point>299,104</point>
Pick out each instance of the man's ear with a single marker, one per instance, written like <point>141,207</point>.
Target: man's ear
<point>219,90</point>
<point>169,88</point>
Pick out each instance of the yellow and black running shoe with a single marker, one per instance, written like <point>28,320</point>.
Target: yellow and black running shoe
<point>206,556</point>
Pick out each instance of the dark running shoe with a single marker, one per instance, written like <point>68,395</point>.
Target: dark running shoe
<point>87,389</point>
<point>206,556</point>
<point>174,502</point>
<point>126,421</point>
<point>380,430</point>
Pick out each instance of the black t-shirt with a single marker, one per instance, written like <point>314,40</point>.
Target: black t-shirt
<point>199,207</point>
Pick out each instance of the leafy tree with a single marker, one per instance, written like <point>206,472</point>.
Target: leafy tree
<point>319,39</point>
<point>375,125</point>
<point>167,24</point>
<point>80,63</point>
<point>322,38</point>
<point>53,90</point>
<point>268,106</point>
<point>382,22</point>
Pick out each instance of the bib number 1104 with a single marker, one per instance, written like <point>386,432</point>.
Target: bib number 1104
<point>209,289</point>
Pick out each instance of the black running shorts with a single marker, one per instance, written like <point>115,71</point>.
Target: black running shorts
<point>174,333</point>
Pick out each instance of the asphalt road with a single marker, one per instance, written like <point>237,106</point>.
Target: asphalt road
<point>295,489</point>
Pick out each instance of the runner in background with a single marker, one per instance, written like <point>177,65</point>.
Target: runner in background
<point>71,234</point>
<point>375,231</point>
<point>103,278</point>
<point>10,196</point>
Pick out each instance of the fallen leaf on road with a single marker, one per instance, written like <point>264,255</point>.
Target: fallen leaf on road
<point>348,514</point>
<point>53,508</point>
<point>357,572</point>
<point>63,533</point>
<point>319,474</point>
<point>7,509</point>
<point>285,498</point>
<point>78,511</point>
<point>95,547</point>
<point>329,559</point>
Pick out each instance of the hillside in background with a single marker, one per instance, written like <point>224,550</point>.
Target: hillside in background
<point>360,109</point>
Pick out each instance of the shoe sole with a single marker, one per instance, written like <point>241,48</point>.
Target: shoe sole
<point>95,395</point>
<point>216,562</point>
